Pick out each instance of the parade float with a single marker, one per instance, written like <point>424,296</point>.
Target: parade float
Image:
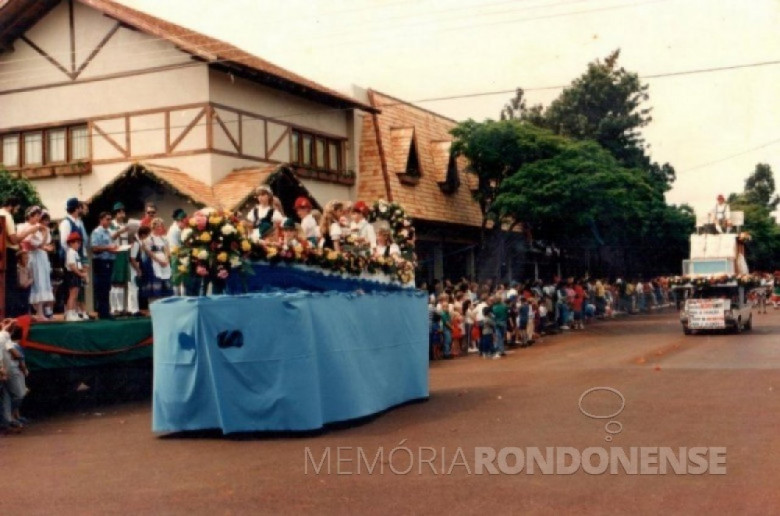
<point>716,281</point>
<point>283,335</point>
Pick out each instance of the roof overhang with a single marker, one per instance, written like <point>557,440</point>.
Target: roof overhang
<point>17,16</point>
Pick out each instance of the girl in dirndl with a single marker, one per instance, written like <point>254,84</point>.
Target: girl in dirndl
<point>41,292</point>
<point>157,267</point>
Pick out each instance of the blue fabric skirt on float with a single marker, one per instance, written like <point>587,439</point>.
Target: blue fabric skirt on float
<point>286,360</point>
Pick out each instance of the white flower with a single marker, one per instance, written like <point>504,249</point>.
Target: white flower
<point>185,260</point>
<point>206,211</point>
<point>235,262</point>
<point>228,229</point>
<point>382,208</point>
<point>186,234</point>
<point>203,255</point>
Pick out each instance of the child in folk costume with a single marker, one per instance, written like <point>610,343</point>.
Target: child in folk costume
<point>311,230</point>
<point>291,238</point>
<point>265,216</point>
<point>75,276</point>
<point>158,270</point>
<point>331,231</point>
<point>120,273</point>
<point>360,225</point>
<point>385,247</point>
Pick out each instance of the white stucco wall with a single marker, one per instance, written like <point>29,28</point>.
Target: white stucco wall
<point>48,96</point>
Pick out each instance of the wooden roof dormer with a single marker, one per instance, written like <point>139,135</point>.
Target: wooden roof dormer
<point>401,134</point>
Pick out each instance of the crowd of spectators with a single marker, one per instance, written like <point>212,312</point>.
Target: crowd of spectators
<point>127,263</point>
<point>487,318</point>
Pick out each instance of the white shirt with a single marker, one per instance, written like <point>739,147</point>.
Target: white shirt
<point>394,250</point>
<point>262,211</point>
<point>480,316</point>
<point>174,235</point>
<point>72,258</point>
<point>310,228</point>
<point>722,212</point>
<point>67,226</point>
<point>366,232</point>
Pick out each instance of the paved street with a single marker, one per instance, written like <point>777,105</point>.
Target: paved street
<point>703,390</point>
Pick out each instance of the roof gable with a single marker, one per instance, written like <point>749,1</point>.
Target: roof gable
<point>18,16</point>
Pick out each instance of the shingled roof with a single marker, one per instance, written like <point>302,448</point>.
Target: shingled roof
<point>385,148</point>
<point>18,16</point>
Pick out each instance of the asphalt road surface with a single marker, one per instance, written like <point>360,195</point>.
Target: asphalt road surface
<point>717,394</point>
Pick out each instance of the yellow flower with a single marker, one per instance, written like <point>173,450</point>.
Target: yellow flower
<point>245,246</point>
<point>195,253</point>
<point>175,249</point>
<point>182,268</point>
<point>205,237</point>
<point>222,257</point>
<point>215,221</point>
<point>193,222</point>
<point>271,252</point>
<point>332,255</point>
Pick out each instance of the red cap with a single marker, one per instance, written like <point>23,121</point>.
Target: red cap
<point>361,207</point>
<point>73,237</point>
<point>302,202</point>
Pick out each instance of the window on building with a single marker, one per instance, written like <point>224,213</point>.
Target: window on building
<point>295,151</point>
<point>316,151</point>
<point>33,148</point>
<point>10,150</point>
<point>55,145</point>
<point>307,140</point>
<point>79,143</point>
<point>334,156</point>
<point>320,153</point>
<point>44,146</point>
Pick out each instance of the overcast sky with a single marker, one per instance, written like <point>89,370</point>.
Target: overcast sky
<point>712,127</point>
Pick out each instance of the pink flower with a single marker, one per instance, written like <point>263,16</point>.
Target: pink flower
<point>202,271</point>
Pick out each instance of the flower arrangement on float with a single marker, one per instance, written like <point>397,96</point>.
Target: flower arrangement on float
<point>344,262</point>
<point>214,246</point>
<point>715,280</point>
<point>355,257</point>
